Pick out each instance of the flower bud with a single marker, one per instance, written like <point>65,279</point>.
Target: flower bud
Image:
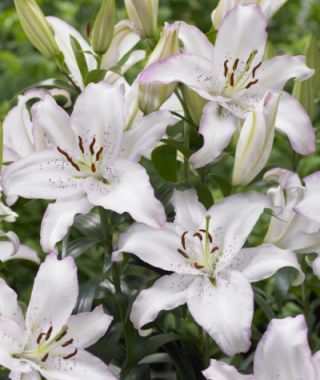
<point>255,141</point>
<point>145,15</point>
<point>152,96</point>
<point>103,28</point>
<point>195,104</point>
<point>36,28</point>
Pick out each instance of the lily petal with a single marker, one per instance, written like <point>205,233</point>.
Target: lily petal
<point>7,252</point>
<point>232,220</point>
<point>167,293</point>
<point>43,175</point>
<point>224,310</point>
<point>87,328</point>
<point>32,375</point>
<point>293,121</point>
<point>130,191</point>
<point>157,247</point>
<point>146,134</point>
<point>98,118</point>
<point>55,284</point>
<point>59,217</point>
<point>264,261</point>
<point>279,357</point>
<point>222,371</point>
<point>190,213</point>
<point>9,306</point>
<point>83,366</point>
<point>217,130</point>
<point>310,205</point>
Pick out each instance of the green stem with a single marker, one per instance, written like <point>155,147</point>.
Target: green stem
<point>187,144</point>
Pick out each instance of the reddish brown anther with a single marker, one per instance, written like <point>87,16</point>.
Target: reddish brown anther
<point>93,168</point>
<point>198,235</point>
<point>214,249</point>
<point>252,83</point>
<point>88,29</point>
<point>182,253</point>
<point>74,353</point>
<point>81,146</point>
<point>67,343</point>
<point>183,239</point>
<point>198,266</point>
<point>99,154</point>
<point>235,65</point>
<point>232,79</point>
<point>69,159</point>
<point>48,334</point>
<point>45,357</point>
<point>92,146</point>
<point>255,69</point>
<point>40,337</point>
<point>63,333</point>
<point>226,68</point>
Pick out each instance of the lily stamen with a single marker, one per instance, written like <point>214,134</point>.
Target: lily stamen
<point>74,353</point>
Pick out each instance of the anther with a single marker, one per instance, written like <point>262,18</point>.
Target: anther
<point>255,69</point>
<point>235,65</point>
<point>209,235</point>
<point>67,343</point>
<point>182,253</point>
<point>88,29</point>
<point>214,249</point>
<point>62,334</point>
<point>232,79</point>
<point>183,239</point>
<point>197,234</point>
<point>81,144</point>
<point>198,266</point>
<point>40,337</point>
<point>226,68</point>
<point>92,146</point>
<point>93,168</point>
<point>99,154</point>
<point>74,353</point>
<point>69,159</point>
<point>48,334</point>
<point>45,357</point>
<point>252,83</point>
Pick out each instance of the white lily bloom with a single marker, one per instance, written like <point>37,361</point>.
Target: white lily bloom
<point>50,341</point>
<point>234,78</point>
<point>255,141</point>
<point>268,7</point>
<point>11,249</point>
<point>125,37</point>
<point>144,13</point>
<point>283,353</point>
<point>212,272</point>
<point>90,162</point>
<point>291,227</point>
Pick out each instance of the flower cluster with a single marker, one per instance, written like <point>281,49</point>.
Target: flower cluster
<point>102,146</point>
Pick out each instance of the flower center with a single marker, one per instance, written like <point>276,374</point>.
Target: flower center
<point>200,249</point>
<point>88,162</point>
<point>239,78</point>
<point>46,346</point>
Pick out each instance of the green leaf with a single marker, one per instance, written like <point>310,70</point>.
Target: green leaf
<point>89,225</point>
<point>212,35</point>
<point>179,146</point>
<point>1,145</point>
<point>284,278</point>
<point>223,184</point>
<point>80,57</point>
<point>264,305</point>
<point>204,194</point>
<point>87,294</point>
<point>165,161</point>
<point>78,246</point>
<point>95,76</point>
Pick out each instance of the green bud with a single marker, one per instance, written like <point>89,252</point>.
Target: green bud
<point>103,28</point>
<point>145,14</point>
<point>195,104</point>
<point>36,27</point>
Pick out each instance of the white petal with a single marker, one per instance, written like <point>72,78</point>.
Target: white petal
<point>286,178</point>
<point>59,217</point>
<point>53,297</point>
<point>278,357</point>
<point>62,33</point>
<point>83,366</point>
<point>9,307</point>
<point>217,130</point>
<point>11,342</point>
<point>270,7</point>
<point>316,270</point>
<point>32,375</point>
<point>190,69</point>
<point>8,253</point>
<point>232,220</point>
<point>264,261</point>
<point>87,328</point>
<point>145,134</point>
<point>316,362</point>
<point>55,122</point>
<point>99,114</point>
<point>222,371</point>
<point>275,72</point>
<point>310,205</point>
<point>194,41</point>
<point>190,213</point>
<point>224,310</point>
<point>157,247</point>
<point>44,175</point>
<point>293,121</point>
<point>167,293</point>
<point>242,32</point>
<point>130,191</point>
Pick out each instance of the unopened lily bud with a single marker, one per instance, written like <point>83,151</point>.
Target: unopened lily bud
<point>152,96</point>
<point>255,141</point>
<point>195,104</point>
<point>145,15</point>
<point>36,28</point>
<point>103,28</point>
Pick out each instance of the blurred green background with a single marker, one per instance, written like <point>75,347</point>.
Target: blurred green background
<point>21,66</point>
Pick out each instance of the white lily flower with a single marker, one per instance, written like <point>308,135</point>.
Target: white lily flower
<point>90,162</point>
<point>282,353</point>
<point>234,78</point>
<point>50,341</point>
<point>125,37</point>
<point>11,249</point>
<point>255,141</point>
<point>291,227</point>
<point>212,272</point>
<point>268,7</point>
